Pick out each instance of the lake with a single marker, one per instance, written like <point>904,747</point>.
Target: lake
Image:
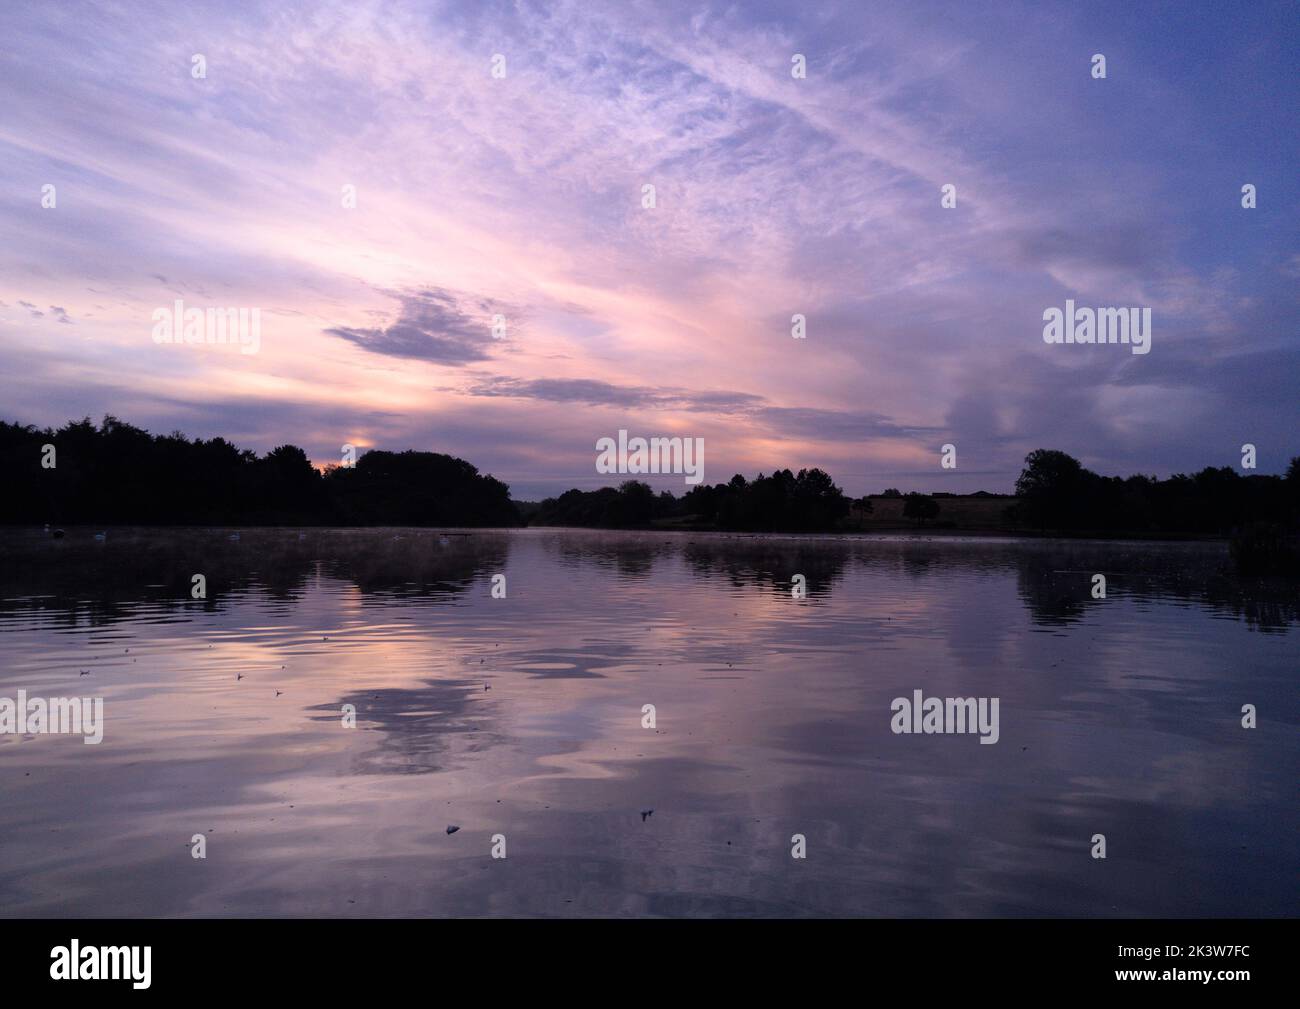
<point>522,721</point>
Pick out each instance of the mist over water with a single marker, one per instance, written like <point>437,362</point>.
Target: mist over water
<point>1119,716</point>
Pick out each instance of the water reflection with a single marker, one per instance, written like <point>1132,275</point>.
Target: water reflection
<point>416,727</point>
<point>523,716</point>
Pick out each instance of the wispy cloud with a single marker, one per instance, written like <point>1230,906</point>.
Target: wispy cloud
<point>774,196</point>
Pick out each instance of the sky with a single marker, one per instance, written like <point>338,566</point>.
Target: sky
<point>521,196</point>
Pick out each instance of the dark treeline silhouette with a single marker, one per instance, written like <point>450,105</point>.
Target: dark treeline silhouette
<point>1260,513</point>
<point>117,474</point>
<point>631,505</point>
<point>920,507</point>
<point>1056,492</point>
<point>782,502</point>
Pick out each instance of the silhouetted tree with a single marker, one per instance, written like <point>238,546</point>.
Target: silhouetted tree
<point>1050,487</point>
<point>920,508</point>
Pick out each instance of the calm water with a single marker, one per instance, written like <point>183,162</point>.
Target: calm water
<point>1118,716</point>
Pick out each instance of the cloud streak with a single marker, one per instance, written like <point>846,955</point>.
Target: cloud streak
<point>774,196</point>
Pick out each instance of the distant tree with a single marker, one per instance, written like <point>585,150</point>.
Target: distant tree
<point>864,504</point>
<point>817,502</point>
<point>417,488</point>
<point>782,502</point>
<point>892,492</point>
<point>632,505</point>
<point>1048,472</point>
<point>287,484</point>
<point>920,508</point>
<point>635,504</point>
<point>1051,487</point>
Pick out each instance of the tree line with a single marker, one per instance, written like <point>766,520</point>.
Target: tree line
<point>1055,492</point>
<point>782,502</point>
<point>118,474</point>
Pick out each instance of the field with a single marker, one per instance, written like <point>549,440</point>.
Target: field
<point>966,512</point>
